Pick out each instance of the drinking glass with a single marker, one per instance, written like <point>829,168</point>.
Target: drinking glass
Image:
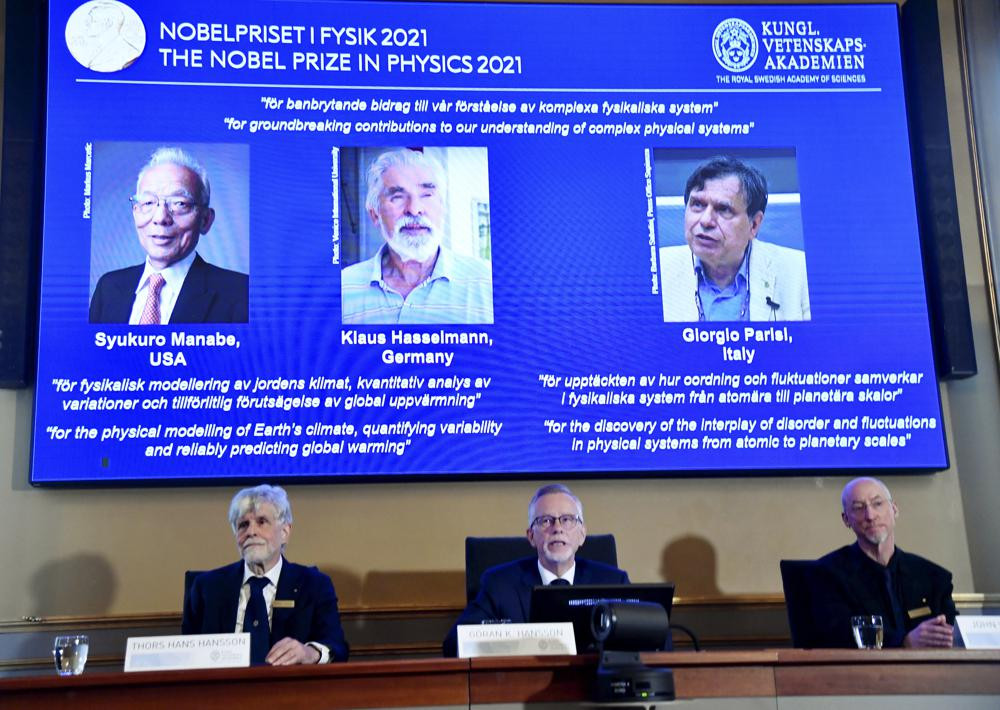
<point>70,654</point>
<point>867,631</point>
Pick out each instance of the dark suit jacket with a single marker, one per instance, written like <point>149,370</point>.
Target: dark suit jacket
<point>505,593</point>
<point>209,295</point>
<point>211,604</point>
<point>849,583</point>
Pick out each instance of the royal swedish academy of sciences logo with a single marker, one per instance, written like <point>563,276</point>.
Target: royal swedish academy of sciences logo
<point>735,44</point>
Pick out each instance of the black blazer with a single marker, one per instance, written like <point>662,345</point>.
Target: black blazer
<point>211,604</point>
<point>505,592</point>
<point>849,583</point>
<point>209,295</point>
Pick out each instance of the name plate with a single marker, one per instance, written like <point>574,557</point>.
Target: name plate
<point>172,653</point>
<point>477,640</point>
<point>979,631</point>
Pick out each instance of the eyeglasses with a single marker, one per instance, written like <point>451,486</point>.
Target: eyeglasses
<point>177,205</point>
<point>547,521</point>
<point>858,509</point>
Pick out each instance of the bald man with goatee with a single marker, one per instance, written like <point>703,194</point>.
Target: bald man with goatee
<point>874,576</point>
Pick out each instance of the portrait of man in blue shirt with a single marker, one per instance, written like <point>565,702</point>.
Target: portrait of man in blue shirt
<point>724,272</point>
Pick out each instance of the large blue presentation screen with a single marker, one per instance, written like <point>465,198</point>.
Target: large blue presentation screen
<point>345,240</point>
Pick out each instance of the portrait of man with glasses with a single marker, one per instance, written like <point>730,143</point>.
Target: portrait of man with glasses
<point>556,530</point>
<point>171,210</point>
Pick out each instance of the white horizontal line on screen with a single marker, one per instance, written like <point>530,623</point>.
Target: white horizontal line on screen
<point>501,90</point>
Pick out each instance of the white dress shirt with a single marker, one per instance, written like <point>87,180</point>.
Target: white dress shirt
<point>548,577</point>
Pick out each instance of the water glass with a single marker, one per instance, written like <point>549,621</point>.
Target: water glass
<point>70,654</point>
<point>868,631</point>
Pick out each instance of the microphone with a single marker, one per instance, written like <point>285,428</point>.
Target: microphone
<point>773,305</point>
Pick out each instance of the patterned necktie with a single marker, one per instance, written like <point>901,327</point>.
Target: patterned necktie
<point>559,582</point>
<point>255,621</point>
<point>151,311</point>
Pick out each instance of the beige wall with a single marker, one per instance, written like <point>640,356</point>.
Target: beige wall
<point>97,551</point>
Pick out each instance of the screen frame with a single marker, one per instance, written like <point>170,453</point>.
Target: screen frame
<point>41,46</point>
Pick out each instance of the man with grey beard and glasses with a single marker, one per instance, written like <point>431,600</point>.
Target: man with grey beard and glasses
<point>556,530</point>
<point>413,278</point>
<point>873,576</point>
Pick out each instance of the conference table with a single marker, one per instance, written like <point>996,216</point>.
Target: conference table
<point>787,679</point>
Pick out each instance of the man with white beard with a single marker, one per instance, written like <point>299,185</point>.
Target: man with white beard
<point>413,278</point>
<point>873,576</point>
<point>289,610</point>
<point>556,530</point>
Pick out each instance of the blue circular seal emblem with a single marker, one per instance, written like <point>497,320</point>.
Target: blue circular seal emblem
<point>735,44</point>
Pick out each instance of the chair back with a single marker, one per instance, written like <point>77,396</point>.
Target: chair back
<point>797,579</point>
<point>188,581</point>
